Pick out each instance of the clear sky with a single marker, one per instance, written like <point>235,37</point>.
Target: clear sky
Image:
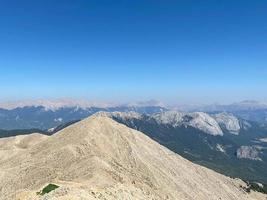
<point>176,51</point>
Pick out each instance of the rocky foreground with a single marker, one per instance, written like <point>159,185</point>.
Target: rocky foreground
<point>99,158</point>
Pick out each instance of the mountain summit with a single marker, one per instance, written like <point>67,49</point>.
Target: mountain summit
<point>98,158</point>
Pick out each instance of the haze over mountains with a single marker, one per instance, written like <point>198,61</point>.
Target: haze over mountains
<point>45,114</point>
<point>242,105</point>
<point>68,102</point>
<point>249,110</point>
<point>108,160</point>
<point>83,103</point>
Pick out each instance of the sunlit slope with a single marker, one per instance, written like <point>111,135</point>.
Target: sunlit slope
<point>98,158</point>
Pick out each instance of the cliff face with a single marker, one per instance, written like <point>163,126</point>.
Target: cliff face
<point>248,152</point>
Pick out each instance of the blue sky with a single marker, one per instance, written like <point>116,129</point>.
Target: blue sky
<point>173,51</point>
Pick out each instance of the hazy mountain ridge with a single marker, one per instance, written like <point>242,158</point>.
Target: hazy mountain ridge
<point>43,118</point>
<point>237,106</point>
<point>211,124</point>
<point>249,110</point>
<point>55,104</point>
<point>49,114</point>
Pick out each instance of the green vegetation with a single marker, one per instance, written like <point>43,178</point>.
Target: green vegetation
<point>256,187</point>
<point>47,189</point>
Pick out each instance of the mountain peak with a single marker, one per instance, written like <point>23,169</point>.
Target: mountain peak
<point>228,122</point>
<point>99,155</point>
<point>199,120</point>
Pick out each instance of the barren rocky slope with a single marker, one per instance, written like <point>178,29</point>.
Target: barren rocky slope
<point>99,158</point>
<point>12,145</point>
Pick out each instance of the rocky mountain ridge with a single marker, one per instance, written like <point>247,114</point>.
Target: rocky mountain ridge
<point>221,152</point>
<point>39,117</point>
<point>107,160</point>
<point>215,124</point>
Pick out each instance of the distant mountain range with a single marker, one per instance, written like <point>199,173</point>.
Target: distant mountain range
<point>81,103</point>
<point>249,110</point>
<point>238,106</point>
<point>44,114</point>
<point>40,117</point>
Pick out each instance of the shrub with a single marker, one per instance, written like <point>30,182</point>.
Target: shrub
<point>47,189</point>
